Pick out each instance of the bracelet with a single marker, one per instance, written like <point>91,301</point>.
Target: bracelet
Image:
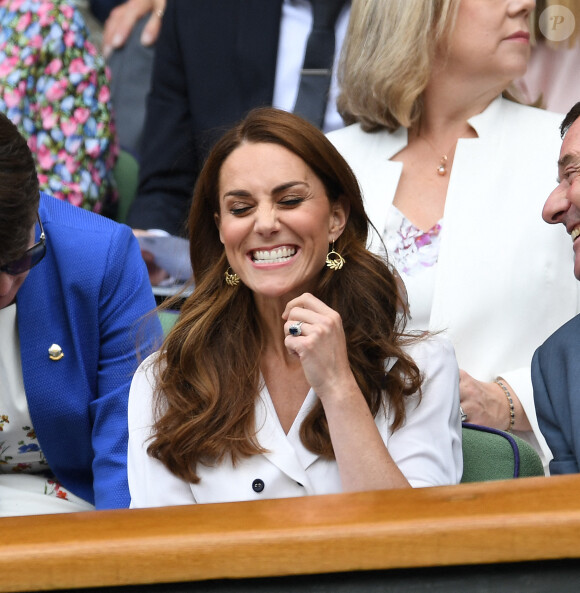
<point>510,402</point>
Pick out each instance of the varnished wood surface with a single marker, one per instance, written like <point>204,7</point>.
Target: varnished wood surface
<point>513,521</point>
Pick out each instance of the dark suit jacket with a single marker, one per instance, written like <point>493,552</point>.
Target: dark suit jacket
<point>556,381</point>
<point>215,60</point>
<point>102,8</point>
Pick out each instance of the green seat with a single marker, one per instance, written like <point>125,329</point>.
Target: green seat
<point>490,454</point>
<point>168,319</point>
<point>126,174</point>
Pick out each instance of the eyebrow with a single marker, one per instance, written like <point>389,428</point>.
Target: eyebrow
<point>567,159</point>
<point>289,184</point>
<point>242,193</point>
<point>236,193</point>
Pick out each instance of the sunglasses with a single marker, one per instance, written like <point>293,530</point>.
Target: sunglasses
<point>30,258</point>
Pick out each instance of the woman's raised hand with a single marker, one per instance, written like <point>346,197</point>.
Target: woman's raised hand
<point>320,344</point>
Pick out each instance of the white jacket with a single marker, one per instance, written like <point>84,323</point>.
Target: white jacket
<point>427,448</point>
<point>504,277</point>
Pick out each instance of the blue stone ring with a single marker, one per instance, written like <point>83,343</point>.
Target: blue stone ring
<point>296,328</point>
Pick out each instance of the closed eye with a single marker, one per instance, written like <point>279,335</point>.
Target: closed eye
<point>240,210</point>
<point>291,201</point>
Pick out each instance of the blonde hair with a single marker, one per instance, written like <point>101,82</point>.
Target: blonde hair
<point>387,57</point>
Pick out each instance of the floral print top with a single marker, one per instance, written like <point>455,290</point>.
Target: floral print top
<point>20,452</point>
<point>414,253</point>
<point>410,248</point>
<point>55,87</point>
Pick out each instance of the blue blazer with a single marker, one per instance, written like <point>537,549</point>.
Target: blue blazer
<point>556,381</point>
<point>88,295</point>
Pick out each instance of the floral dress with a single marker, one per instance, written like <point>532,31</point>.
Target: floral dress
<point>55,87</point>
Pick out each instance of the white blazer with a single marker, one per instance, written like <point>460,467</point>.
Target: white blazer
<point>427,448</point>
<point>504,277</point>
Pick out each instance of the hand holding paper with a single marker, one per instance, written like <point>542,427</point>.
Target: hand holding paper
<point>169,253</point>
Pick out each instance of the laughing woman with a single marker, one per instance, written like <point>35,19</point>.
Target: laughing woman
<point>287,373</point>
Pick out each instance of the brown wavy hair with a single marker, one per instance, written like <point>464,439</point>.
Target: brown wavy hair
<point>208,371</point>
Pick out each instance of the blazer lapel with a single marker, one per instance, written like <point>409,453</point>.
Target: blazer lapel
<point>288,455</point>
<point>378,175</point>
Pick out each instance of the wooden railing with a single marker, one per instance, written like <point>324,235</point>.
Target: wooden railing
<point>472,524</point>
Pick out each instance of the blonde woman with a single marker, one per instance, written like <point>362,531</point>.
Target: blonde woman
<point>454,177</point>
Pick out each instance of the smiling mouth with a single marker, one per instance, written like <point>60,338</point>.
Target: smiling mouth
<point>575,233</point>
<point>274,256</point>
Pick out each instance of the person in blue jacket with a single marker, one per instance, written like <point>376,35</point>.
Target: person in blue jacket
<point>75,320</point>
<point>556,363</point>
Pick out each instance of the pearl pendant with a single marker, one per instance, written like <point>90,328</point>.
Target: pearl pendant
<point>442,168</point>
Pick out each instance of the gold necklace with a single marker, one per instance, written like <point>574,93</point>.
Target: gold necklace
<point>442,168</point>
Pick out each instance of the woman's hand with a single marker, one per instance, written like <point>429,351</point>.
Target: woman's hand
<point>123,18</point>
<point>321,346</point>
<point>363,460</point>
<point>156,274</point>
<point>487,404</point>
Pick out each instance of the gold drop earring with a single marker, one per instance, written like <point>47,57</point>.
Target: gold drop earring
<point>232,279</point>
<point>334,260</point>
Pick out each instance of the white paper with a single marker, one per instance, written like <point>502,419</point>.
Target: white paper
<point>170,253</point>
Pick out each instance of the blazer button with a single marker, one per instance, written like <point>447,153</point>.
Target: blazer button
<point>257,485</point>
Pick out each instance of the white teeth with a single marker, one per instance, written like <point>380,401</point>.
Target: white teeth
<point>275,255</point>
<point>575,233</point>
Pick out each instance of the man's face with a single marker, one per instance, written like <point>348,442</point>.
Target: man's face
<point>9,284</point>
<point>563,204</point>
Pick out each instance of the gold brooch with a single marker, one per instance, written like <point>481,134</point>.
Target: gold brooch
<point>55,352</point>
